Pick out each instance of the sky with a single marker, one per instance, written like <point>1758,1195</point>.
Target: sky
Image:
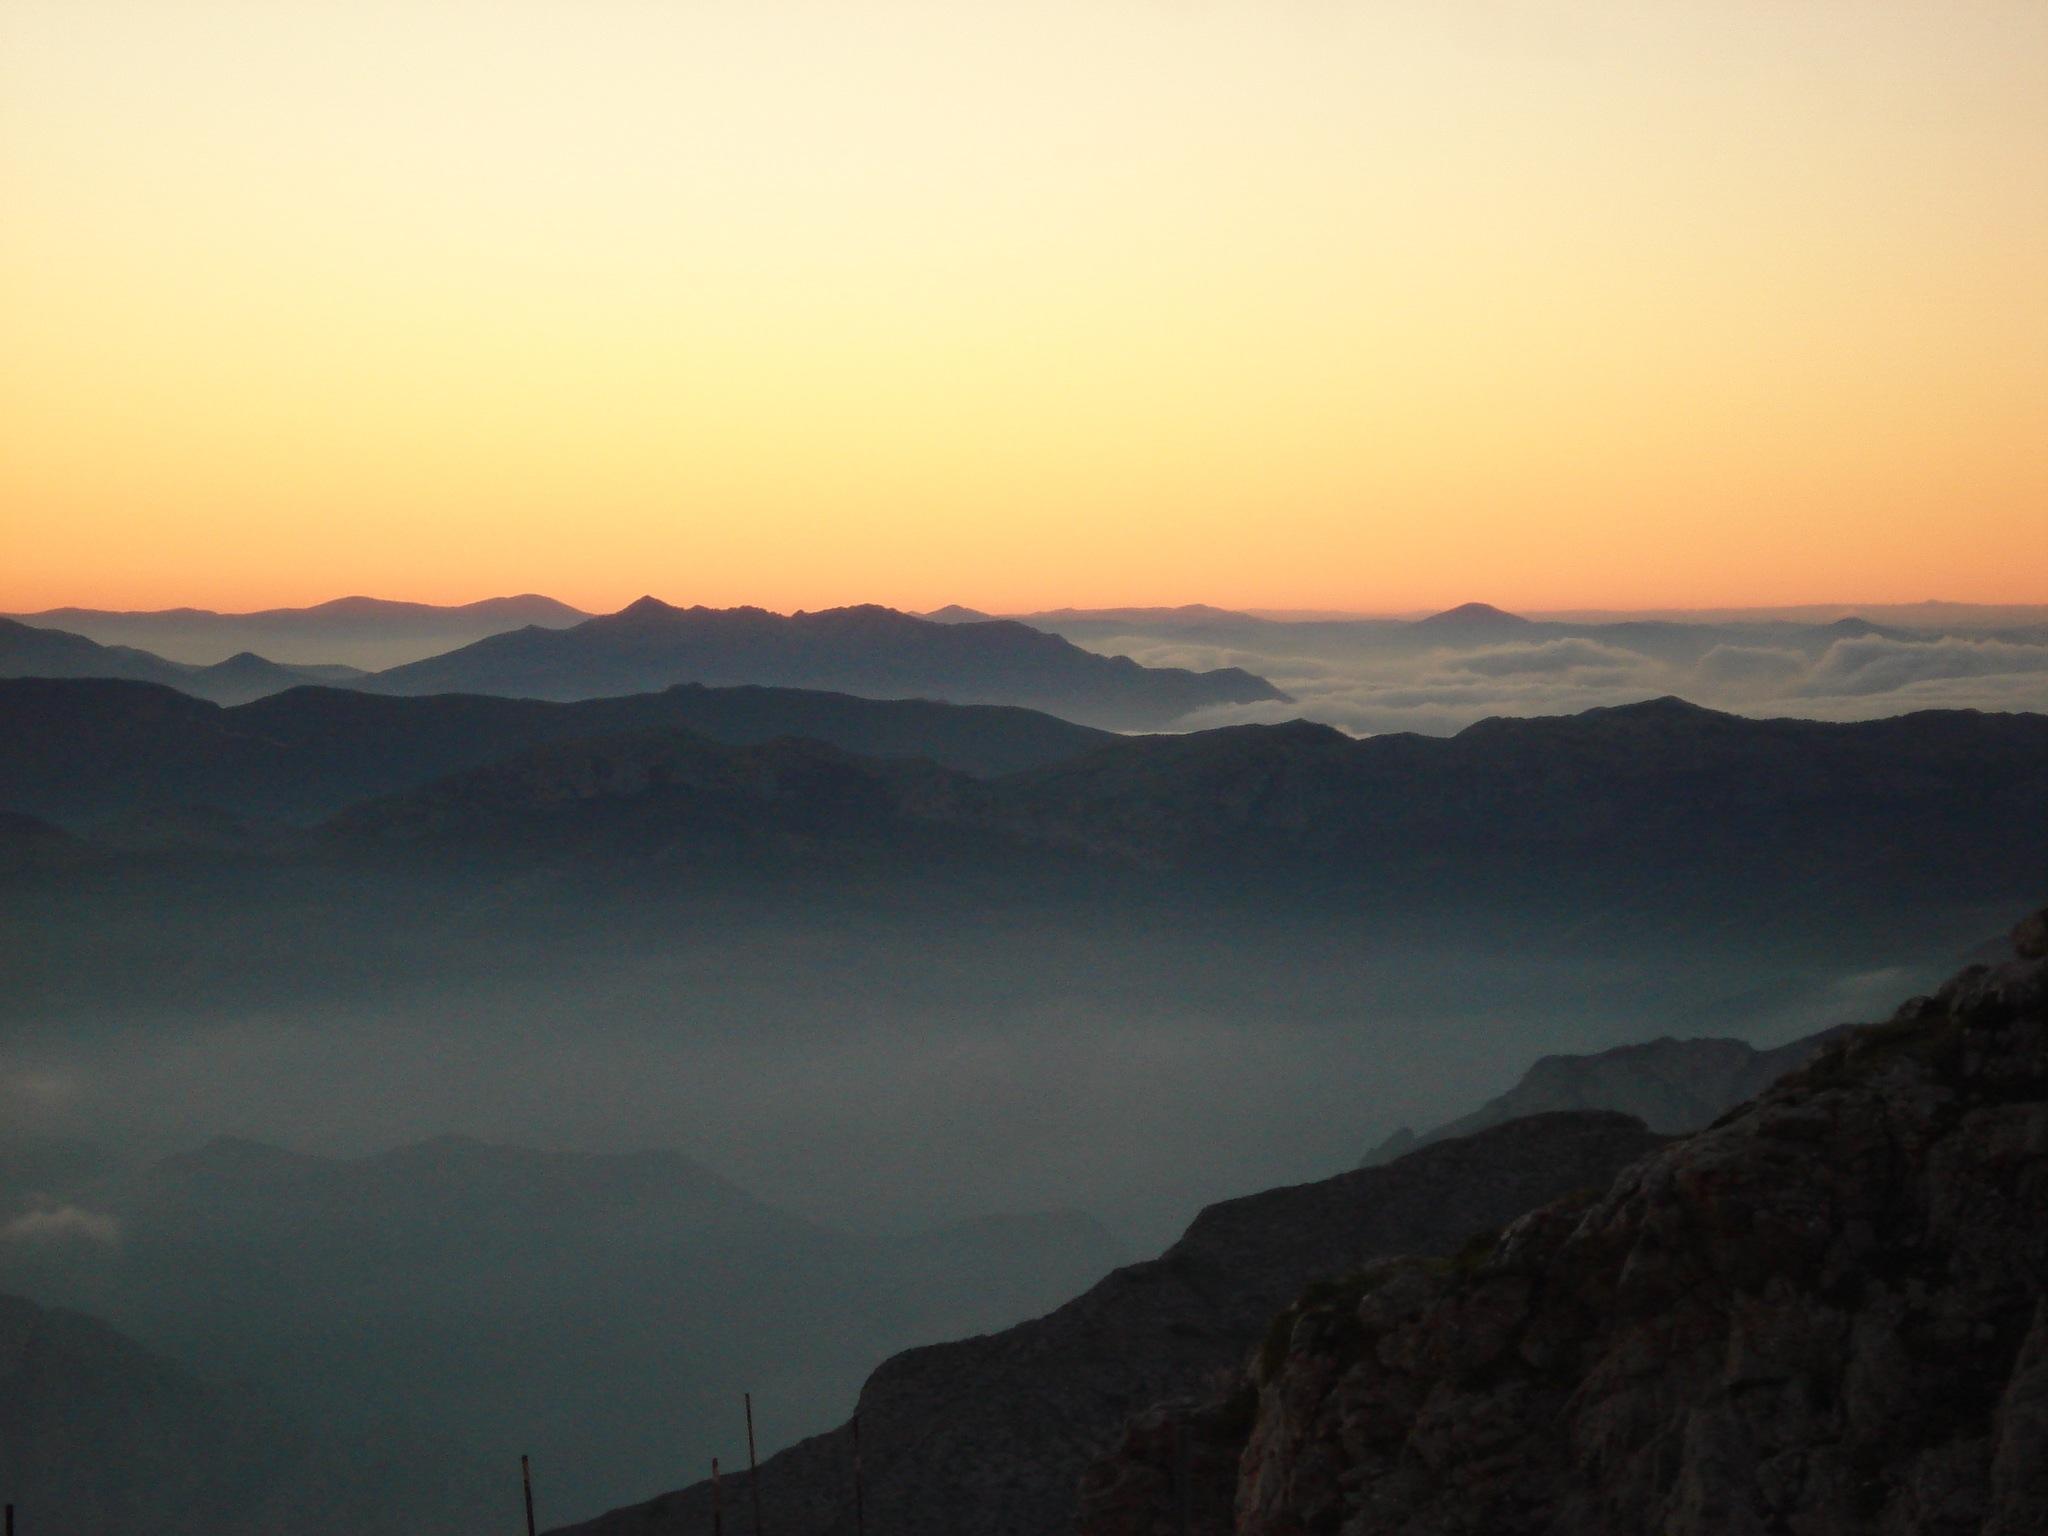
<point>1356,304</point>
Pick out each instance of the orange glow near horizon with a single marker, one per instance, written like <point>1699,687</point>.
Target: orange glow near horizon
<point>1267,303</point>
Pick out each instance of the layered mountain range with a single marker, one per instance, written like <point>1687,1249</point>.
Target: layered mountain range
<point>366,633</point>
<point>911,951</point>
<point>80,752</point>
<point>1670,1085</point>
<point>29,651</point>
<point>1673,638</point>
<point>1779,852</point>
<point>1694,795</point>
<point>871,651</point>
<point>868,651</point>
<point>1125,668</point>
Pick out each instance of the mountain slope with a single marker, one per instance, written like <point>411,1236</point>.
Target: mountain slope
<point>100,1437</point>
<point>604,1311</point>
<point>1649,803</point>
<point>1672,1086</point>
<point>1637,803</point>
<point>661,796</point>
<point>986,1437</point>
<point>363,632</point>
<point>1474,623</point>
<point>1823,1314</point>
<point>30,844</point>
<point>27,651</point>
<point>85,750</point>
<point>1666,783</point>
<point>30,652</point>
<point>868,651</point>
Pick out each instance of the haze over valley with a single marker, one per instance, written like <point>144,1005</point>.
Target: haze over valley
<point>1056,769</point>
<point>966,1000</point>
<point>1197,666</point>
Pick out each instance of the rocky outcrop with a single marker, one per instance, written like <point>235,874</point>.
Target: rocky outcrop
<point>1826,1313</point>
<point>988,1436</point>
<point>1672,1086</point>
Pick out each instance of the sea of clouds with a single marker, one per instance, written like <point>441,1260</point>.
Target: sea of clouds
<point>1443,690</point>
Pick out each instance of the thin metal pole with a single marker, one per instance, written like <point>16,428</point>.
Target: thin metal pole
<point>10,1520</point>
<point>717,1502</point>
<point>526,1480</point>
<point>860,1514</point>
<point>1180,1475</point>
<point>753,1466</point>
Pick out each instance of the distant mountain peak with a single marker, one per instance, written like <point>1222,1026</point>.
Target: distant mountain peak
<point>355,602</point>
<point>1856,627</point>
<point>865,649</point>
<point>1296,732</point>
<point>647,607</point>
<point>867,612</point>
<point>1668,707</point>
<point>1667,710</point>
<point>1478,613</point>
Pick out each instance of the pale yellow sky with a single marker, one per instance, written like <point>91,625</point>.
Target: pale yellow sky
<point>1293,303</point>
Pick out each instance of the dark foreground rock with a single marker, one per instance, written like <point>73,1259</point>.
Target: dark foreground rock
<point>1824,1314</point>
<point>989,1436</point>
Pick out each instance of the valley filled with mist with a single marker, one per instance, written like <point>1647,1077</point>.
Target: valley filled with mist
<point>1066,769</point>
<point>552,1073</point>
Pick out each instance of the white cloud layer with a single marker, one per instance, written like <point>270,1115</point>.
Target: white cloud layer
<point>1443,690</point>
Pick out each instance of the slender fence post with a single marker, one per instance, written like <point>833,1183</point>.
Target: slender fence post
<point>10,1520</point>
<point>526,1482</point>
<point>717,1502</point>
<point>753,1467</point>
<point>1180,1476</point>
<point>860,1514</point>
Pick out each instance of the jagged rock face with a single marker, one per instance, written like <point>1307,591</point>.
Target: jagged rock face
<point>1824,1314</point>
<point>2030,939</point>
<point>1174,1470</point>
<point>989,1436</point>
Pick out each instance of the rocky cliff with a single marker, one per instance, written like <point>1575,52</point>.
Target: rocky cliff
<point>1826,1313</point>
<point>988,1436</point>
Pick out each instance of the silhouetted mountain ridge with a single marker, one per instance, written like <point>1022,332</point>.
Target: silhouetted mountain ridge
<point>365,632</point>
<point>30,652</point>
<point>1701,805</point>
<point>82,751</point>
<point>1672,1086</point>
<point>867,650</point>
<point>1476,618</point>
